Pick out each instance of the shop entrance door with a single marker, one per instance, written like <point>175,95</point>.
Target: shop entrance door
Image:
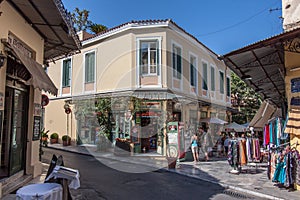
<point>13,138</point>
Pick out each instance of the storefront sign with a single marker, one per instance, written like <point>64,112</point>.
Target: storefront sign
<point>153,105</point>
<point>295,101</point>
<point>295,85</point>
<point>36,128</point>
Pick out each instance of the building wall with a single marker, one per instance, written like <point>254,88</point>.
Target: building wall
<point>116,69</point>
<point>290,14</point>
<point>292,63</point>
<point>191,47</point>
<point>25,33</point>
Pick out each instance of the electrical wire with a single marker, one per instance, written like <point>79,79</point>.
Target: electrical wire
<point>236,24</point>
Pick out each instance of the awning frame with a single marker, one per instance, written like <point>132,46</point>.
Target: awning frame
<point>262,65</point>
<point>39,78</point>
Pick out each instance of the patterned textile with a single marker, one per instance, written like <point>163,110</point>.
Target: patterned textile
<point>243,151</point>
<point>267,135</point>
<point>233,154</point>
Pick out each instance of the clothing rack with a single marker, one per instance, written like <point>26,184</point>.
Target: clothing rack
<point>285,144</point>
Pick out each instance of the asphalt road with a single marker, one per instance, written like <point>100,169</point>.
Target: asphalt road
<point>99,181</point>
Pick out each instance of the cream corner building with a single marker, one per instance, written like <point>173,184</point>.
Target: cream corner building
<point>170,74</point>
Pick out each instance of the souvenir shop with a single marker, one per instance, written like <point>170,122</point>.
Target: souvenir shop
<point>283,157</point>
<point>243,150</point>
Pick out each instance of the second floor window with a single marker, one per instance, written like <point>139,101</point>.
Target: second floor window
<point>228,86</point>
<point>149,57</point>
<point>193,71</point>
<point>66,73</point>
<point>204,76</point>
<point>90,67</point>
<point>221,82</point>
<point>212,78</point>
<point>176,62</point>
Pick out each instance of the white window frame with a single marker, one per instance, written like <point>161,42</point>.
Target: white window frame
<point>62,71</point>
<point>192,55</point>
<point>175,72</point>
<point>138,67</point>
<point>95,80</point>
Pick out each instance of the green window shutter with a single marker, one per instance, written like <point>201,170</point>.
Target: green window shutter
<point>90,67</point>
<point>178,66</point>
<point>66,74</point>
<point>204,86</point>
<point>228,87</point>
<point>221,82</point>
<point>213,84</point>
<point>174,63</point>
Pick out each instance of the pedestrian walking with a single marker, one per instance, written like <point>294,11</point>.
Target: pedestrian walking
<point>194,147</point>
<point>226,144</point>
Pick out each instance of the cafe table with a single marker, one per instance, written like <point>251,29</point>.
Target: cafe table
<point>40,191</point>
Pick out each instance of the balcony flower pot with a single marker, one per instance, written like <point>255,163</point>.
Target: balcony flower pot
<point>54,138</point>
<point>66,140</point>
<point>44,137</point>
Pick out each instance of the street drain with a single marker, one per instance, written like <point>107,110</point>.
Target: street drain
<point>236,194</point>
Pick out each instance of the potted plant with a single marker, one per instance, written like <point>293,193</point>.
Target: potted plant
<point>54,138</point>
<point>66,140</point>
<point>44,137</point>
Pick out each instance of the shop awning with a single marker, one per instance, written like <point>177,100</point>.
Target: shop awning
<point>261,65</point>
<point>293,123</point>
<point>53,23</point>
<point>39,78</point>
<point>264,114</point>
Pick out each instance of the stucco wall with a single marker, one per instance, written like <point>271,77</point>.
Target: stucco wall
<point>12,22</point>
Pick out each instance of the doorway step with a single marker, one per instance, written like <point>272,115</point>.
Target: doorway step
<point>14,182</point>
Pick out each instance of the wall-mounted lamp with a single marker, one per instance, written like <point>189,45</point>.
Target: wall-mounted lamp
<point>246,77</point>
<point>2,59</point>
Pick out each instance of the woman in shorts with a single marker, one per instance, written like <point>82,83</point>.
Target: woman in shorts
<point>194,147</point>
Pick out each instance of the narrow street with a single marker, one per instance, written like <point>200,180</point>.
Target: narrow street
<point>101,182</point>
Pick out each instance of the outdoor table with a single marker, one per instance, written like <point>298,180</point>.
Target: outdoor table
<point>40,191</point>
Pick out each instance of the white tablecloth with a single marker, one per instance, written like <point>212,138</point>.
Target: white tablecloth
<point>41,191</point>
<point>72,175</point>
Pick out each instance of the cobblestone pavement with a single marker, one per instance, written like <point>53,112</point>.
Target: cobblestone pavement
<point>251,180</point>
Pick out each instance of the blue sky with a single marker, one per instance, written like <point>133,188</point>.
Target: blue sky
<point>222,25</point>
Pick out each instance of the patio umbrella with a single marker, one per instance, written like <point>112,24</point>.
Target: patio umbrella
<point>235,126</point>
<point>213,120</point>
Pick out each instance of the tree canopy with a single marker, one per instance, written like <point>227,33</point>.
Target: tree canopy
<point>245,99</point>
<point>82,23</point>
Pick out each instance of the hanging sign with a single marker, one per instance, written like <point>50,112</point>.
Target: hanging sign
<point>45,100</point>
<point>295,85</point>
<point>36,128</point>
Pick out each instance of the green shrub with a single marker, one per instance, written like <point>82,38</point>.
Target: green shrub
<point>44,133</point>
<point>65,138</point>
<point>54,136</point>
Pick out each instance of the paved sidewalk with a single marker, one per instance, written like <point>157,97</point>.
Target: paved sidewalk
<point>252,180</point>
